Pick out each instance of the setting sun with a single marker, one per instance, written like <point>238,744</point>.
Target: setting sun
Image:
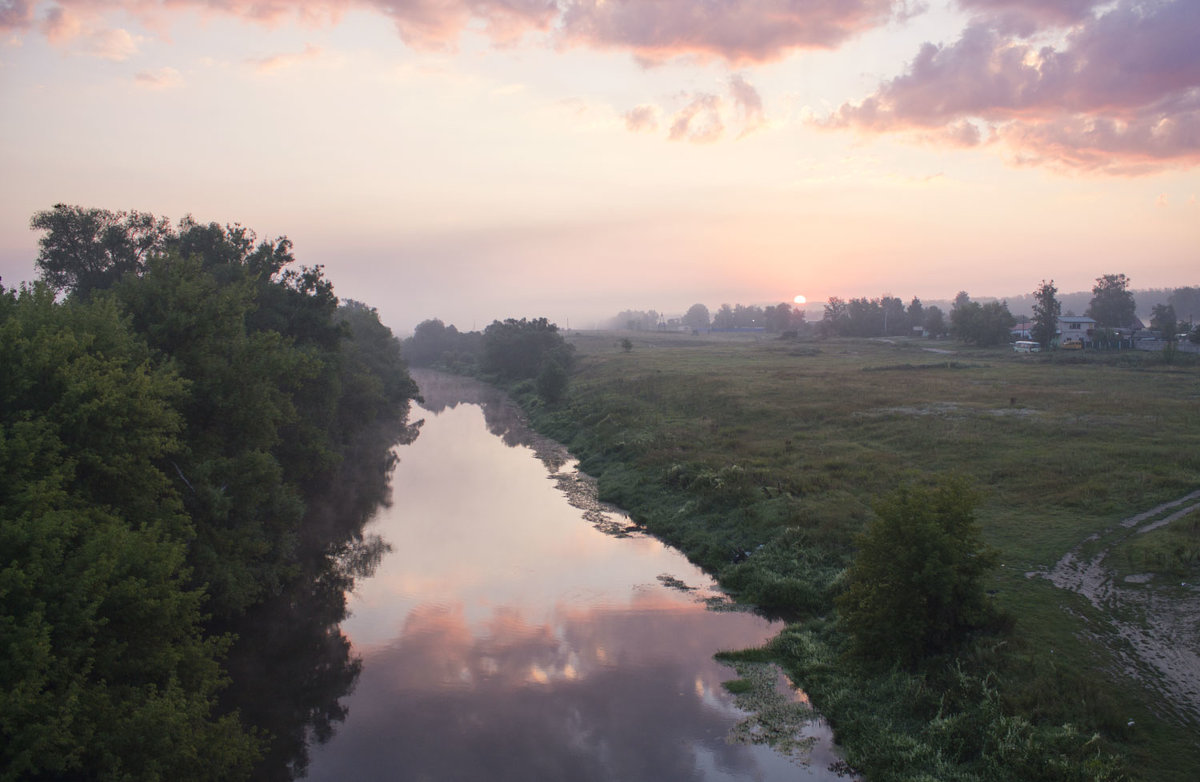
<point>799,299</point>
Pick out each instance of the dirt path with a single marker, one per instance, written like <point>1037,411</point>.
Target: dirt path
<point>1156,634</point>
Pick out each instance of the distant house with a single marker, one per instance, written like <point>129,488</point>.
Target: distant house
<point>1023,330</point>
<point>1072,329</point>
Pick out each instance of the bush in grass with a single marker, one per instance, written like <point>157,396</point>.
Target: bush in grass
<point>916,585</point>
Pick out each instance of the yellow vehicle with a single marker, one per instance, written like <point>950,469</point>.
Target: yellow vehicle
<point>1071,344</point>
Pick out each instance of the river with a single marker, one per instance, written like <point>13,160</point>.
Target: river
<point>518,630</point>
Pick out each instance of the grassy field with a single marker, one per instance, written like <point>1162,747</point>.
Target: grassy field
<point>761,458</point>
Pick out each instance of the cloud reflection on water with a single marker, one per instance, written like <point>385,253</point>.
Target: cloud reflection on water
<point>601,694</point>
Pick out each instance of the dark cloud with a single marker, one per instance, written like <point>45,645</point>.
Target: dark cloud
<point>1024,17</point>
<point>15,14</point>
<point>1121,93</point>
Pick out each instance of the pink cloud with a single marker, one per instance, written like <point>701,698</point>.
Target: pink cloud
<point>703,117</point>
<point>699,121</point>
<point>748,101</point>
<point>641,119</point>
<point>436,24</point>
<point>734,30</point>
<point>160,79</point>
<point>652,30</point>
<point>1121,95</point>
<point>15,14</point>
<point>421,23</point>
<point>280,61</point>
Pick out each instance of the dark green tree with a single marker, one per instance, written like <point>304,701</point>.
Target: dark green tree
<point>723,318</point>
<point>916,586</point>
<point>1112,302</point>
<point>984,325</point>
<point>895,318</point>
<point>552,381</point>
<point>519,349</point>
<point>86,249</point>
<point>1046,310</point>
<point>1186,302</point>
<point>835,318</point>
<point>697,317</point>
<point>864,318</point>
<point>915,314</point>
<point>748,316</point>
<point>935,321</point>
<point>1164,321</point>
<point>106,673</point>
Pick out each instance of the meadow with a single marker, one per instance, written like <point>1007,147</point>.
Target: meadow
<point>761,459</point>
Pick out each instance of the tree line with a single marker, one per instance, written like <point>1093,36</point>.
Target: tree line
<point>173,402</point>
<point>510,352</point>
<point>779,319</point>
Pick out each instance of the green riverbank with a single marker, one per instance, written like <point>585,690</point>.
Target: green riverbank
<point>761,460</point>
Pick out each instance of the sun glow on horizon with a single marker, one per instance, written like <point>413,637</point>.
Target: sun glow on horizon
<point>800,299</point>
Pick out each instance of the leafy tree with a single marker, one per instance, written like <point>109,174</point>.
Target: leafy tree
<point>164,434</point>
<point>374,381</point>
<point>748,316</point>
<point>106,672</point>
<point>916,585</point>
<point>87,249</point>
<point>552,381</point>
<point>981,324</point>
<point>865,318</point>
<point>431,339</point>
<point>697,317</point>
<point>895,320</point>
<point>935,321</point>
<point>782,317</point>
<point>1046,310</point>
<point>519,349</point>
<point>915,313</point>
<point>637,320</point>
<point>723,318</point>
<point>1186,302</point>
<point>1112,302</point>
<point>1164,321</point>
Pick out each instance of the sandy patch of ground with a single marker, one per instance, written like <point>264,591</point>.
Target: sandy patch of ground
<point>1156,632</point>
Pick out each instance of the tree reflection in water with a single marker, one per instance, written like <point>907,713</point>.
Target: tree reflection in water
<point>290,664</point>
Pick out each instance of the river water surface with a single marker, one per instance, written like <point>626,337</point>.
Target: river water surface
<point>517,630</point>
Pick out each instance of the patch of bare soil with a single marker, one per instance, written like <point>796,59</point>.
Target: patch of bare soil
<point>1156,631</point>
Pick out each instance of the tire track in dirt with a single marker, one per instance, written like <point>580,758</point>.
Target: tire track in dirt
<point>1160,632</point>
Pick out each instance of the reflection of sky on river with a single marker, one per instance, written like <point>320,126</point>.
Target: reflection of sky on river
<point>480,524</point>
<point>505,638</point>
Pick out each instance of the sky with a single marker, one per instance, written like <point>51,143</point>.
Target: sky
<point>474,160</point>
